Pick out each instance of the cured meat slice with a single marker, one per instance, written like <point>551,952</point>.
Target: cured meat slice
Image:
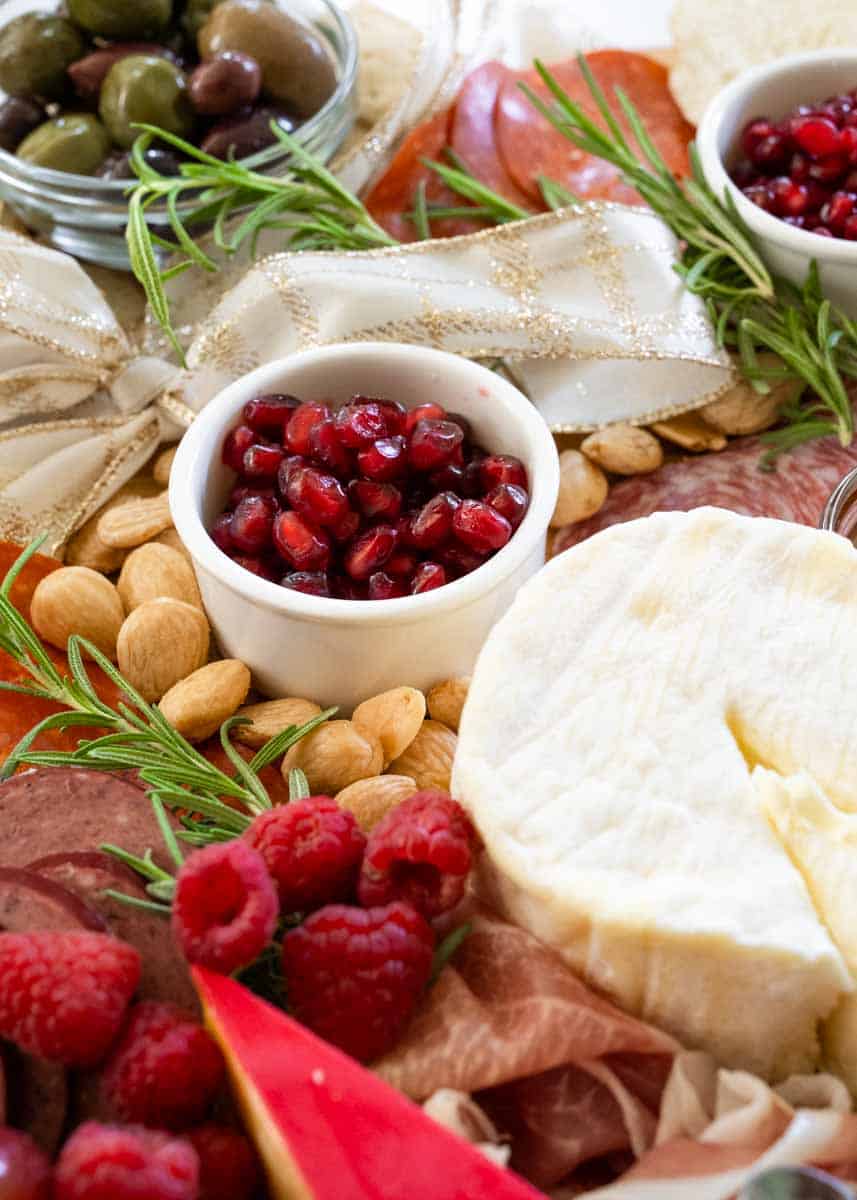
<point>29,902</point>
<point>796,490</point>
<point>473,134</point>
<point>530,146</point>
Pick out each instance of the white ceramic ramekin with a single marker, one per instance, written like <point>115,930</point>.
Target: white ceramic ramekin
<point>772,90</point>
<point>341,651</point>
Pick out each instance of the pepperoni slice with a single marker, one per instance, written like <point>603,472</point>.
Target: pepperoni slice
<point>473,131</point>
<point>530,146</point>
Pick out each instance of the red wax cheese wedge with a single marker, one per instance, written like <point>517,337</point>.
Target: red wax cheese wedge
<point>530,146</point>
<point>328,1129</point>
<point>472,133</point>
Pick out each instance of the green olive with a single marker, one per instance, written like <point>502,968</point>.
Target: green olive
<point>296,68</point>
<point>35,51</point>
<point>142,89</point>
<point>76,142</point>
<point>122,18</point>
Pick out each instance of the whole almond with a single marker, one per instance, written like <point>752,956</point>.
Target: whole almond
<point>743,410</point>
<point>161,643</point>
<point>371,799</point>
<point>393,717</point>
<point>87,548</point>
<point>691,433</point>
<point>624,449</point>
<point>152,571</point>
<point>333,756</point>
<point>428,759</point>
<point>198,705</point>
<point>583,489</point>
<point>163,465</point>
<point>136,522</point>
<point>171,538</point>
<point>77,600</point>
<point>446,700</point>
<point>272,717</point>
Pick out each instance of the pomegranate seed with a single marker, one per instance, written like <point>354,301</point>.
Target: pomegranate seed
<point>369,551</point>
<point>849,183</point>
<point>311,583</point>
<point>270,414</point>
<point>305,548</point>
<point>262,462</point>
<point>510,501</point>
<point>828,170</point>
<point>758,194</point>
<point>798,170</point>
<point>290,464</point>
<point>432,525</point>
<point>346,528</point>
<point>755,132</point>
<point>328,450</point>
<point>745,174</point>
<point>401,562</point>
<point>423,412</point>
<point>376,499</point>
<point>837,210</point>
<point>772,153</point>
<point>318,497</point>
<point>849,121</point>
<point>816,135</point>
<point>849,229</point>
<point>480,526</point>
<point>301,424</point>
<point>383,587</point>
<point>460,560</point>
<point>816,196</point>
<point>252,564</point>
<point>235,445</point>
<point>242,490</point>
<point>427,577</point>
<point>789,199</point>
<point>221,533</point>
<point>433,444</point>
<point>384,460</point>
<point>502,468</point>
<point>360,423</point>
<point>849,144</point>
<point>471,483</point>
<point>462,422</point>
<point>448,479</point>
<point>823,231</point>
<point>344,588</point>
<point>396,414</point>
<point>252,524</point>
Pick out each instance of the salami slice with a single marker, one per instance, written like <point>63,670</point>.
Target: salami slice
<point>29,902</point>
<point>530,146</point>
<point>473,135</point>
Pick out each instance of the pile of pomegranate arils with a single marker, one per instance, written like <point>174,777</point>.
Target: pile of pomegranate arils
<point>369,502</point>
<point>803,168</point>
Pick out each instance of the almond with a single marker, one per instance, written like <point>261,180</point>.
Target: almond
<point>743,410</point>
<point>624,450</point>
<point>583,489</point>
<point>428,759</point>
<point>88,549</point>
<point>393,717</point>
<point>171,538</point>
<point>691,433</point>
<point>161,643</point>
<point>371,799</point>
<point>78,600</point>
<point>152,571</point>
<point>333,756</point>
<point>163,465</point>
<point>135,522</point>
<point>446,701</point>
<point>199,704</point>
<point>271,718</point>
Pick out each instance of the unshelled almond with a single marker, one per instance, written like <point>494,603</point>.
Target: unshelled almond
<point>624,449</point>
<point>162,466</point>
<point>161,643</point>
<point>691,433</point>
<point>136,522</point>
<point>152,571</point>
<point>198,705</point>
<point>171,538</point>
<point>87,548</point>
<point>371,799</point>
<point>446,700</point>
<point>428,759</point>
<point>78,600</point>
<point>333,756</point>
<point>273,717</point>
<point>583,489</point>
<point>393,717</point>
<point>743,410</point>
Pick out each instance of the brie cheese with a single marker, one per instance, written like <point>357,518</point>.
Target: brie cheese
<point>606,754</point>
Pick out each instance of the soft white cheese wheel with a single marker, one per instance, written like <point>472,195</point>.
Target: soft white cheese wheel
<point>606,753</point>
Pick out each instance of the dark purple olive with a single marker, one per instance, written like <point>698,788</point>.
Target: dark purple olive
<point>19,116</point>
<point>225,83</point>
<point>118,164</point>
<point>89,73</point>
<point>240,136</point>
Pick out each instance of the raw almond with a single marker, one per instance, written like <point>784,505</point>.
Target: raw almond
<point>743,410</point>
<point>163,465</point>
<point>272,717</point>
<point>198,705</point>
<point>690,432</point>
<point>88,549</point>
<point>161,643</point>
<point>136,522</point>
<point>371,799</point>
<point>583,489</point>
<point>428,759</point>
<point>333,756</point>
<point>171,538</point>
<point>446,700</point>
<point>152,571</point>
<point>78,600</point>
<point>393,717</point>
<point>624,450</point>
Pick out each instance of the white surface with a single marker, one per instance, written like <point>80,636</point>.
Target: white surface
<point>553,29</point>
<point>343,651</point>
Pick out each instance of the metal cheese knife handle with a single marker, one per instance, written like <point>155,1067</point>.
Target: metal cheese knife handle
<point>796,1183</point>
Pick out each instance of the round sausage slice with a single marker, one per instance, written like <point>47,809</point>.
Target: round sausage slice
<point>30,902</point>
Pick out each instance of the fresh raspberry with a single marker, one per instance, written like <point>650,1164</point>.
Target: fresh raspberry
<point>225,907</point>
<point>354,975</point>
<point>228,1166</point>
<point>164,1071</point>
<point>63,996</point>
<point>422,852</point>
<point>116,1162</point>
<point>25,1172</point>
<point>313,850</point>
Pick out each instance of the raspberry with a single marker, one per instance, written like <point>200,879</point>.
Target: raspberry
<point>63,996</point>
<point>165,1069</point>
<point>25,1173</point>
<point>354,975</point>
<point>228,1167</point>
<point>422,852</point>
<point>313,850</point>
<point>225,907</point>
<point>112,1162</point>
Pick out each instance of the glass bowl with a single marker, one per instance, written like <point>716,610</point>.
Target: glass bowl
<point>86,216</point>
<point>840,512</point>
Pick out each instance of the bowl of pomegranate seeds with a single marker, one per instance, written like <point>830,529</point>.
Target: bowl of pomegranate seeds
<point>781,141</point>
<point>359,514</point>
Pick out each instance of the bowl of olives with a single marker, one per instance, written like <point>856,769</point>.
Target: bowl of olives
<point>78,77</point>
